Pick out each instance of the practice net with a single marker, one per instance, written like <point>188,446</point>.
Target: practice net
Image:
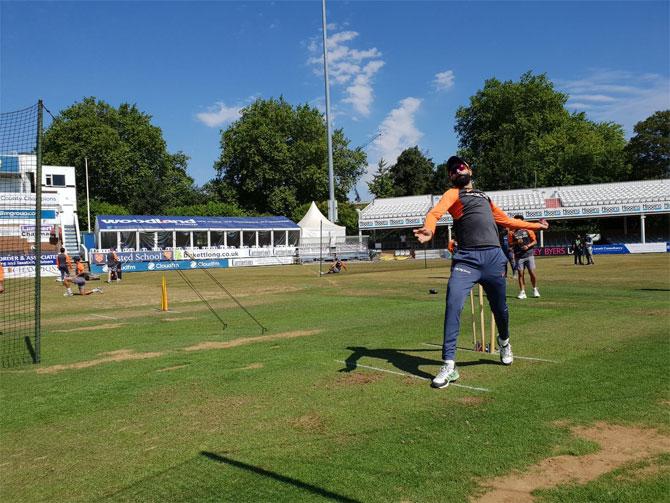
<point>20,236</point>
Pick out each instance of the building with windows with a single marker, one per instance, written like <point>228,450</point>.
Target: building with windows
<point>18,201</point>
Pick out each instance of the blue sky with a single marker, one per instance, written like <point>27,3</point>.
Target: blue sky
<point>400,68</point>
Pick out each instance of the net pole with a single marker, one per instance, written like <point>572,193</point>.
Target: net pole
<point>320,247</point>
<point>38,231</point>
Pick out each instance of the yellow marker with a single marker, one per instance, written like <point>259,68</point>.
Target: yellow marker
<point>164,296</point>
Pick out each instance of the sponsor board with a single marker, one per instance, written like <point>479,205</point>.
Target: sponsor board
<point>100,258</point>
<point>26,199</point>
<point>25,271</point>
<point>248,262</point>
<point>181,265</point>
<point>28,232</point>
<point>620,248</point>
<point>550,251</point>
<point>29,214</point>
<point>27,260</point>
<point>162,223</point>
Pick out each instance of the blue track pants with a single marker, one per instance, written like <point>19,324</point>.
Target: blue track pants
<point>487,267</point>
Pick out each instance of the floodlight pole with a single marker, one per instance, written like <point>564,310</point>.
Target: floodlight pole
<point>332,204</point>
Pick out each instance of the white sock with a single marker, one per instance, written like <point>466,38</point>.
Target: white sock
<point>69,291</point>
<point>450,364</point>
<point>502,343</point>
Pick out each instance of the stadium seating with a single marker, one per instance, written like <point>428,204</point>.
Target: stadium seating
<point>397,207</point>
<point>511,201</point>
<point>615,193</point>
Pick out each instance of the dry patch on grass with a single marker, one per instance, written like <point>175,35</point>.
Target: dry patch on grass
<point>113,356</point>
<point>619,445</point>
<point>168,369</point>
<point>472,401</point>
<point>310,422</point>
<point>252,366</point>
<point>104,326</point>
<point>180,319</point>
<point>203,346</point>
<point>356,378</point>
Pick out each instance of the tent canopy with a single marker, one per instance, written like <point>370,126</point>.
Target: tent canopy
<point>311,225</point>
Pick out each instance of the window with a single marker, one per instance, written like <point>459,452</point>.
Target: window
<point>200,239</point>
<point>48,181</point>
<point>107,240</point>
<point>165,240</point>
<point>233,238</point>
<point>58,180</point>
<point>183,239</point>
<point>264,238</point>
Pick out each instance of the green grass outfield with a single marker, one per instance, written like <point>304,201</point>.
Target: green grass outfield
<point>282,419</point>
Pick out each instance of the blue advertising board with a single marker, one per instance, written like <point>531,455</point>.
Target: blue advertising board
<point>27,260</point>
<point>19,214</point>
<point>181,265</point>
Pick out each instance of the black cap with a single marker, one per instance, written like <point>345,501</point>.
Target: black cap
<point>454,161</point>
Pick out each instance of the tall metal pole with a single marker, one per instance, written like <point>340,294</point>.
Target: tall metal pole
<point>332,204</point>
<point>38,233</point>
<point>88,203</point>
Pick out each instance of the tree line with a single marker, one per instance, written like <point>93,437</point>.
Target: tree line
<point>273,159</point>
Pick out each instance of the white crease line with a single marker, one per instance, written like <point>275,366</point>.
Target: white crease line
<point>481,352</point>
<point>103,316</point>
<point>410,375</point>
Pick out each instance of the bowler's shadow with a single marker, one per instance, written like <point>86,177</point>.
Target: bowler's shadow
<point>407,363</point>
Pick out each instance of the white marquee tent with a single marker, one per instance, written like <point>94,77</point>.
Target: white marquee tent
<point>311,226</point>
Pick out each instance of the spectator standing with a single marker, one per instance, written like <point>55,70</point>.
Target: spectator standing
<point>577,249</point>
<point>588,249</point>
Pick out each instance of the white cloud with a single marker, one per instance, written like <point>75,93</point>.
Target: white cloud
<point>618,96</point>
<point>218,115</point>
<point>444,80</point>
<point>398,132</point>
<point>350,68</point>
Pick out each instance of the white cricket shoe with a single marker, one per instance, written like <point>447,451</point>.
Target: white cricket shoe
<point>444,377</point>
<point>536,292</point>
<point>522,295</point>
<point>506,356</point>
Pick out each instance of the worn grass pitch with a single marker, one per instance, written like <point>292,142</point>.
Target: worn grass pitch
<point>130,404</point>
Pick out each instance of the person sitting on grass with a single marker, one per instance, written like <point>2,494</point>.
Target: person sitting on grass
<point>78,279</point>
<point>337,266</point>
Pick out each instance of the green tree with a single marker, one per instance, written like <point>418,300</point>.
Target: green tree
<point>274,158</point>
<point>412,173</point>
<point>519,134</point>
<point>503,120</point>
<point>579,151</point>
<point>440,181</point>
<point>129,164</point>
<point>382,181</point>
<point>649,150</point>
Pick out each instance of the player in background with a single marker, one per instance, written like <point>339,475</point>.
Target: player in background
<point>523,241</point>
<point>2,278</point>
<point>64,264</point>
<point>478,259</point>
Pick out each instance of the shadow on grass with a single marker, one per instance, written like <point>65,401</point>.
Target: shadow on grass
<point>278,477</point>
<point>409,364</point>
<point>654,289</point>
